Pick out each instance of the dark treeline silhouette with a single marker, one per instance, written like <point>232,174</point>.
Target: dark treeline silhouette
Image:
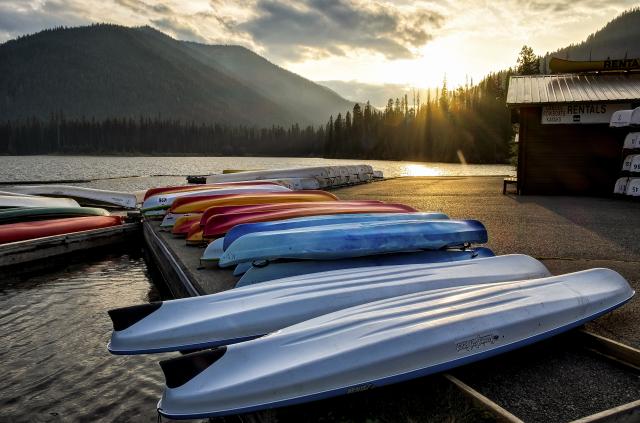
<point>470,123</point>
<point>154,136</point>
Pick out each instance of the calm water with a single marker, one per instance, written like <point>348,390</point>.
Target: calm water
<point>53,325</point>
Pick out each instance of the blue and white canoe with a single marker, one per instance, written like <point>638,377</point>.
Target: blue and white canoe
<point>308,221</point>
<point>384,342</point>
<point>352,240</point>
<point>276,270</point>
<point>157,204</point>
<point>214,250</point>
<point>244,313</point>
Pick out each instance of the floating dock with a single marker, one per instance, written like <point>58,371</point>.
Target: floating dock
<point>580,376</point>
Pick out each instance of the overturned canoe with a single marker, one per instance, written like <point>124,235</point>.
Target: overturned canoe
<point>200,187</point>
<point>230,316</point>
<point>317,172</point>
<point>384,342</point>
<point>353,240</point>
<point>14,215</point>
<point>13,232</point>
<point>35,201</point>
<point>323,220</point>
<point>161,202</point>
<point>278,270</point>
<point>221,224</point>
<point>191,205</point>
<point>84,196</point>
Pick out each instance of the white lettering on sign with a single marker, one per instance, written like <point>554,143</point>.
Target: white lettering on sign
<point>580,113</point>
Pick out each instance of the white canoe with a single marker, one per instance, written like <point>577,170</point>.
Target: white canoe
<point>35,201</point>
<point>632,141</point>
<point>164,201</point>
<point>621,118</point>
<point>621,186</point>
<point>319,172</point>
<point>269,271</point>
<point>385,342</point>
<point>85,196</point>
<point>633,187</point>
<point>631,163</point>
<point>242,313</point>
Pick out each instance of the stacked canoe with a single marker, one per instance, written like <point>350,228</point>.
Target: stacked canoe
<point>37,211</point>
<point>338,297</point>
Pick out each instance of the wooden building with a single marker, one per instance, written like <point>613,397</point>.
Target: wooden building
<point>565,144</point>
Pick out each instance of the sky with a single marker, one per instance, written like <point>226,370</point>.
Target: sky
<point>410,43</point>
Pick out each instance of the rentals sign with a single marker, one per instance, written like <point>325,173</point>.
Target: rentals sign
<point>580,113</point>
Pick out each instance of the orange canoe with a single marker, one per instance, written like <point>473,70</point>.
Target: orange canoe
<point>183,224</point>
<point>29,230</point>
<point>219,225</point>
<point>199,204</point>
<point>180,188</point>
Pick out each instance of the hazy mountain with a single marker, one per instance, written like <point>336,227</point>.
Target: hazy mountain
<point>113,71</point>
<point>618,39</point>
<point>376,94</point>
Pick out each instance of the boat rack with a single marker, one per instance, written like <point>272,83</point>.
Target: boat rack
<point>183,274</point>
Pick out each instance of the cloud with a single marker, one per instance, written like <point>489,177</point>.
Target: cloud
<point>321,28</point>
<point>20,17</point>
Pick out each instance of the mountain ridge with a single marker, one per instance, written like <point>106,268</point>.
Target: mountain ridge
<point>105,70</point>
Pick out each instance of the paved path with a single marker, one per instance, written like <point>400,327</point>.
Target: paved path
<point>567,233</point>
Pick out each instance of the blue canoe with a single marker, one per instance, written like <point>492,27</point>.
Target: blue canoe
<point>334,219</point>
<point>256,273</point>
<point>353,240</point>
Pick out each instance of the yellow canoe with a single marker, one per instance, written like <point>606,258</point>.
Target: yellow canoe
<point>183,224</point>
<point>258,198</point>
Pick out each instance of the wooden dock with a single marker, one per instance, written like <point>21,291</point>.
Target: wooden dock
<point>180,266</point>
<point>40,249</point>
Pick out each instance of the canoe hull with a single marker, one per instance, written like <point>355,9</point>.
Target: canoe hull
<point>386,342</point>
<point>244,313</point>
<point>14,232</point>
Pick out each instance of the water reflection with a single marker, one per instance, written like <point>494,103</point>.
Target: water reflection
<point>420,170</point>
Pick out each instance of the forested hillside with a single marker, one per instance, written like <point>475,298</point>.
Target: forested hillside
<point>109,71</point>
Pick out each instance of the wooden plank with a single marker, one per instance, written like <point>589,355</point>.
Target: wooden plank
<point>627,413</point>
<point>611,349</point>
<point>481,401</point>
<point>20,252</point>
<point>176,278</point>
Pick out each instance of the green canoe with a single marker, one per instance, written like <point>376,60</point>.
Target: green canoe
<point>25,214</point>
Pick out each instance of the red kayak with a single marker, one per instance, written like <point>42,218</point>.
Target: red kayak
<point>219,225</point>
<point>29,230</point>
<point>179,188</point>
<point>183,225</point>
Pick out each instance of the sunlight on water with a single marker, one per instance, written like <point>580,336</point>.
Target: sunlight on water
<point>420,170</point>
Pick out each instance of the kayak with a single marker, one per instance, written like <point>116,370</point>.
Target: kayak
<point>353,240</point>
<point>200,187</point>
<point>322,220</point>
<point>84,196</point>
<point>200,205</point>
<point>221,224</point>
<point>164,201</point>
<point>13,232</point>
<point>35,201</point>
<point>238,314</point>
<point>18,214</point>
<point>385,342</point>
<point>270,271</point>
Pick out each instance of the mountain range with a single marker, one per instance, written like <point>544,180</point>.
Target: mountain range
<point>103,71</point>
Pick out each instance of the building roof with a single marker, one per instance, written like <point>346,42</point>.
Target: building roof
<point>533,90</point>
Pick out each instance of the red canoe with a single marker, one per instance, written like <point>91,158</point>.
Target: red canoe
<point>183,225</point>
<point>221,224</point>
<point>154,191</point>
<point>211,211</point>
<point>29,230</point>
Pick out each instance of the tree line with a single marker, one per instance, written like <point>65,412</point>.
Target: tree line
<point>467,124</point>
